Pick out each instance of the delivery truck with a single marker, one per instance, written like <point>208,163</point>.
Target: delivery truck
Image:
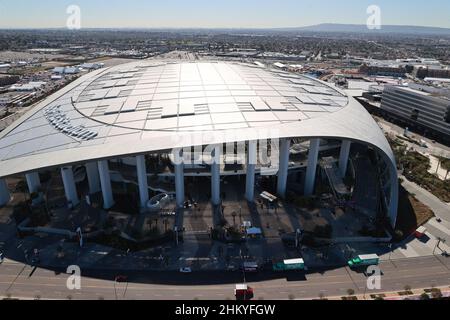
<point>289,264</point>
<point>364,260</point>
<point>243,292</point>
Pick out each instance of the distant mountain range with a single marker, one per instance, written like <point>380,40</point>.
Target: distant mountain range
<point>360,28</point>
<point>319,28</point>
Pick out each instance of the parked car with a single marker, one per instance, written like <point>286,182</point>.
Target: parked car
<point>185,270</point>
<point>232,267</point>
<point>121,278</point>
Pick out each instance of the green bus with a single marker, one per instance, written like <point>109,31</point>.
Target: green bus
<point>290,264</point>
<point>363,260</point>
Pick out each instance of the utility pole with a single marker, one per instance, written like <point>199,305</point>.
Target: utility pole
<point>437,243</point>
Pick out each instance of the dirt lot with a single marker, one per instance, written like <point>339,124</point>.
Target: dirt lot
<point>411,213</point>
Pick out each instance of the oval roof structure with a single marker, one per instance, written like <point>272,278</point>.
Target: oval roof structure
<point>155,105</point>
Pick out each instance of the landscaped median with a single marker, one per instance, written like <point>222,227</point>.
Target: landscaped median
<point>406,294</point>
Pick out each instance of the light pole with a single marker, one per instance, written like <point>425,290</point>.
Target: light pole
<point>390,251</point>
<point>176,235</point>
<point>437,244</point>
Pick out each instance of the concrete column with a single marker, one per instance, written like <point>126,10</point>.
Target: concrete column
<point>69,185</point>
<point>4,193</point>
<point>250,177</point>
<point>142,180</point>
<point>93,177</point>
<point>179,177</point>
<point>105,182</point>
<point>393,198</point>
<point>343,156</point>
<point>310,177</point>
<point>285,145</point>
<point>33,181</point>
<point>215,175</point>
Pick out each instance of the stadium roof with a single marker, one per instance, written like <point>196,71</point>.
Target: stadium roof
<point>155,105</point>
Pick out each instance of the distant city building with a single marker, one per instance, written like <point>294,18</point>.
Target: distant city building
<point>66,70</point>
<point>91,66</point>
<point>431,72</point>
<point>30,86</point>
<point>280,65</point>
<point>383,70</point>
<point>5,66</point>
<point>421,106</point>
<point>282,56</point>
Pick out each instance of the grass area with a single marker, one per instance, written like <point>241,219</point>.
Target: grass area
<point>411,213</point>
<point>415,168</point>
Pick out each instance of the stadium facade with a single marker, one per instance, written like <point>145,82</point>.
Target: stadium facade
<point>167,107</point>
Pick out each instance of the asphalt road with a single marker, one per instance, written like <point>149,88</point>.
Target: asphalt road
<point>22,281</point>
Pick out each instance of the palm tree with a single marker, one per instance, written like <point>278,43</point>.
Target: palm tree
<point>445,164</point>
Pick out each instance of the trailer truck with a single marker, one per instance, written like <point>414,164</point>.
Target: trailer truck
<point>290,264</point>
<point>364,260</point>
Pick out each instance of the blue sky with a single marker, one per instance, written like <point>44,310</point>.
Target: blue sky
<point>219,13</point>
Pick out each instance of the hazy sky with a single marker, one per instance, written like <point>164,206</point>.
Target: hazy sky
<point>219,13</point>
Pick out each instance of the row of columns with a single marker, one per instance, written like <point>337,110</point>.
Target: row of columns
<point>251,164</point>
<point>99,176</point>
<point>311,168</point>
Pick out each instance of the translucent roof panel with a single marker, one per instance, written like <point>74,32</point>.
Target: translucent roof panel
<point>132,100</point>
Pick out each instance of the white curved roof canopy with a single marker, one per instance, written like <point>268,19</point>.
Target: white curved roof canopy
<point>159,105</point>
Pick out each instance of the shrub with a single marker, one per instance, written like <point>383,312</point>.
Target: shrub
<point>398,235</point>
<point>323,231</point>
<point>424,296</point>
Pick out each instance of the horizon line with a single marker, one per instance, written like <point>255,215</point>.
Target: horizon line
<point>222,28</point>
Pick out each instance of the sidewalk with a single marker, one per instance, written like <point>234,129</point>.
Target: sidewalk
<point>440,209</point>
<point>416,293</point>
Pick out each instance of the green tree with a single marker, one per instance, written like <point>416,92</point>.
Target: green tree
<point>424,296</point>
<point>445,164</point>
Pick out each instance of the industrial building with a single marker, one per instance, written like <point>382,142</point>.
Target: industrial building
<point>174,109</point>
<point>420,106</point>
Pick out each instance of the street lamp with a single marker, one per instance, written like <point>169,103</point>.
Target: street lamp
<point>390,251</point>
<point>437,243</point>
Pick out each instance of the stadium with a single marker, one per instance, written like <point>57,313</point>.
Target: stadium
<point>165,126</point>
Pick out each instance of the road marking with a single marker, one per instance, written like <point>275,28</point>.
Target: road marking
<point>18,275</point>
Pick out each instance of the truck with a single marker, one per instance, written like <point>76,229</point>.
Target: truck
<point>243,292</point>
<point>420,232</point>
<point>290,264</point>
<point>364,260</point>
